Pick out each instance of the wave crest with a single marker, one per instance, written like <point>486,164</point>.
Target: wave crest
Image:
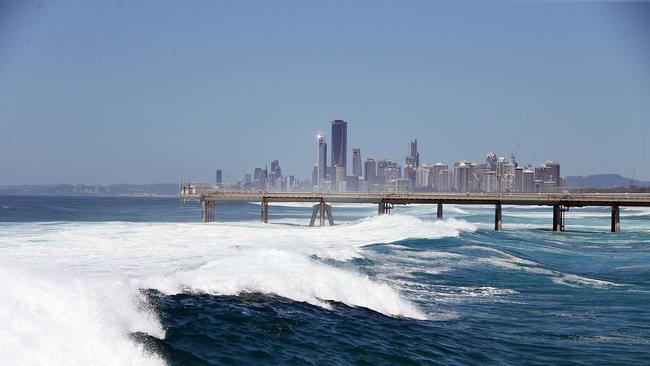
<point>289,275</point>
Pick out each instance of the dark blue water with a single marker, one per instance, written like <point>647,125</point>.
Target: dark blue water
<point>413,292</point>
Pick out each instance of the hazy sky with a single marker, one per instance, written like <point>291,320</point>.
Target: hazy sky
<point>145,91</point>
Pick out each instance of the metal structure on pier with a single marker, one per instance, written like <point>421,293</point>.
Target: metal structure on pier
<point>209,196</point>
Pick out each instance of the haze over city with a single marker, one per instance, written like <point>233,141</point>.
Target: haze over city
<point>143,92</point>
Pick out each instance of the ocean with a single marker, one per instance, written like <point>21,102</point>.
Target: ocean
<point>139,281</point>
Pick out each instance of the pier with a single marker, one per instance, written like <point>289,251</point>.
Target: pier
<point>209,197</point>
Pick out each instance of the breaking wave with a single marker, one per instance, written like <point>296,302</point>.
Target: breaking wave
<point>48,320</point>
<point>289,275</point>
<point>86,316</point>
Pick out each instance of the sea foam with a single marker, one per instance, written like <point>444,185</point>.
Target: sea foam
<point>289,275</point>
<point>71,289</point>
<point>65,321</point>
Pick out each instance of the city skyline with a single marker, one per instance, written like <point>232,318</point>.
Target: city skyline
<point>494,174</point>
<point>221,85</point>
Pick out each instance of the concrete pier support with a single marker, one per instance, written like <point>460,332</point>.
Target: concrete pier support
<point>321,209</point>
<point>385,207</point>
<point>439,211</point>
<point>264,211</point>
<point>207,211</point>
<point>497,217</point>
<point>558,217</point>
<point>616,219</point>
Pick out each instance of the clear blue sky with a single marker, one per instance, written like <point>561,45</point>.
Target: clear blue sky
<point>145,91</point>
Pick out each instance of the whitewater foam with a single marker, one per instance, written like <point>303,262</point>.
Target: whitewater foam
<point>65,321</point>
<point>86,317</point>
<point>289,275</point>
<point>508,261</point>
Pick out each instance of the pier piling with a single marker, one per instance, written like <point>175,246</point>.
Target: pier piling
<point>439,211</point>
<point>497,217</point>
<point>321,209</point>
<point>207,211</point>
<point>385,208</point>
<point>616,219</point>
<point>558,217</point>
<point>264,207</point>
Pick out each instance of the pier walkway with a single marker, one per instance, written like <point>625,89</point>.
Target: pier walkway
<point>209,196</point>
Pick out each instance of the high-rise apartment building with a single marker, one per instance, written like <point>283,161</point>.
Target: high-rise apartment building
<point>322,162</point>
<point>273,181</point>
<point>370,173</point>
<point>490,182</point>
<point>491,162</point>
<point>461,175</point>
<point>528,177</point>
<point>553,169</point>
<point>438,183</point>
<point>314,177</point>
<point>423,177</point>
<point>549,174</point>
<point>356,162</point>
<point>218,177</point>
<point>248,181</point>
<point>443,179</point>
<point>259,178</point>
<point>275,168</point>
<point>339,144</point>
<point>340,178</point>
<point>519,179</point>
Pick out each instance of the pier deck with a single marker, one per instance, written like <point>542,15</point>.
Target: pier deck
<point>208,197</point>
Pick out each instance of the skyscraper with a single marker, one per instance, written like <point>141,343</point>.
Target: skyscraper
<point>370,173</point>
<point>461,173</point>
<point>490,185</point>
<point>438,183</point>
<point>443,180</point>
<point>356,162</point>
<point>491,162</point>
<point>412,162</point>
<point>528,180</point>
<point>553,169</point>
<point>218,177</point>
<point>414,158</point>
<point>275,168</point>
<point>519,179</point>
<point>549,173</point>
<point>322,161</point>
<point>258,178</point>
<point>424,177</point>
<point>339,178</point>
<point>339,144</point>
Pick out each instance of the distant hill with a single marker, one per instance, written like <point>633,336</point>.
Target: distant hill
<point>157,189</point>
<point>602,181</point>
